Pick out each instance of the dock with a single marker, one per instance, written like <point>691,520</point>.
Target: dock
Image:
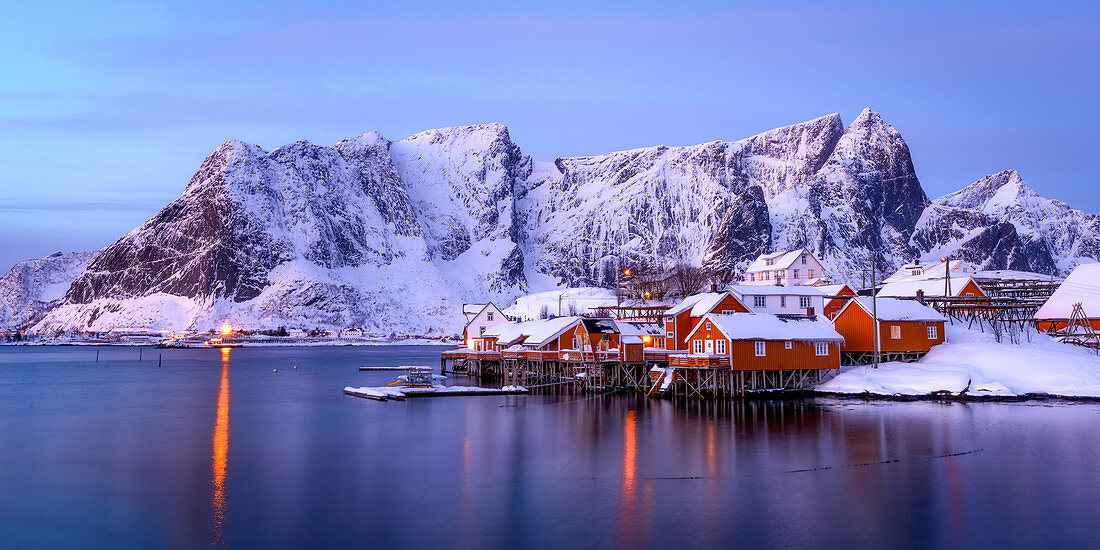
<point>388,368</point>
<point>384,393</point>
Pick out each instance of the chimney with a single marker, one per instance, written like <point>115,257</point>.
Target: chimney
<point>920,296</point>
<point>714,287</point>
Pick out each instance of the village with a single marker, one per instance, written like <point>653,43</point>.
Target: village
<point>784,326</point>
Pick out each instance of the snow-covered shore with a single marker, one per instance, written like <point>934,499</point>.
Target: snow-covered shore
<point>973,364</point>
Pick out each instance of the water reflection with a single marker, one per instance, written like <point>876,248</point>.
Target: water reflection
<point>220,458</point>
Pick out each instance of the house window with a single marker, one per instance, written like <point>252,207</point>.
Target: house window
<point>796,274</point>
<point>969,293</point>
<point>670,334</point>
<point>803,259</point>
<point>708,325</point>
<point>932,333</point>
<point>769,261</point>
<point>481,331</point>
<point>752,277</point>
<point>720,346</point>
<point>576,343</point>
<point>760,349</point>
<point>810,274</point>
<point>895,332</point>
<point>803,302</point>
<point>697,346</point>
<point>914,272</point>
<point>729,311</point>
<point>782,301</point>
<point>821,348</point>
<point>489,316</point>
<point>758,301</point>
<point>787,345</point>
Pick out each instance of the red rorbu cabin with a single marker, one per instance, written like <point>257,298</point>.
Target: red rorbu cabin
<point>762,342</point>
<point>907,329</point>
<point>833,302</point>
<point>681,319</point>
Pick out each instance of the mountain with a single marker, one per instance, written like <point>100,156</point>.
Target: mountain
<point>394,236</point>
<point>998,222</point>
<point>33,286</point>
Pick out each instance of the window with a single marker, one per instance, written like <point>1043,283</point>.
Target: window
<point>803,302</point>
<point>758,301</point>
<point>708,325</point>
<point>729,311</point>
<point>782,301</point>
<point>670,335</point>
<point>821,348</point>
<point>760,349</point>
<point>787,345</point>
<point>796,274</point>
<point>803,263</point>
<point>697,346</point>
<point>914,272</point>
<point>576,343</point>
<point>752,277</point>
<point>810,274</point>
<point>721,346</point>
<point>932,333</point>
<point>481,331</point>
<point>969,293</point>
<point>769,261</point>
<point>895,332</point>
<point>489,316</point>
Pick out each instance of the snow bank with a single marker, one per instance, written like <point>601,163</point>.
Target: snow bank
<point>973,364</point>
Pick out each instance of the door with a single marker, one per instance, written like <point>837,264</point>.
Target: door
<point>710,347</point>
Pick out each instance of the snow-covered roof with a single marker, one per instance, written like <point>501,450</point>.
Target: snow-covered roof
<point>832,290</point>
<point>600,326</point>
<point>543,331</point>
<point>931,288</point>
<point>1013,275</point>
<point>765,326</point>
<point>638,328</point>
<point>929,270</point>
<point>1082,285</point>
<point>472,309</point>
<point>773,290</point>
<point>699,304</point>
<point>783,260</point>
<point>509,332</point>
<point>632,339</point>
<point>895,309</point>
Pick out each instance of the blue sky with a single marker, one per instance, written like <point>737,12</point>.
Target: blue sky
<point>107,109</point>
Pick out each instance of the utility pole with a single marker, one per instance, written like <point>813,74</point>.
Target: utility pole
<point>874,310</point>
<point>947,277</point>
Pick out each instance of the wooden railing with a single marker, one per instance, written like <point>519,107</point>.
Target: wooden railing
<point>705,361</point>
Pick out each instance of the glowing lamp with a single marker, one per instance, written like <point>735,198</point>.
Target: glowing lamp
<point>626,272</point>
<point>647,339</point>
<point>943,259</point>
<point>227,329</point>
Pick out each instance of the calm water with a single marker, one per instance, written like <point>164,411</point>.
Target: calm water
<point>214,449</point>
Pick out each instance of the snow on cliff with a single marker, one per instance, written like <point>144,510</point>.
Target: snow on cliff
<point>395,236</point>
<point>33,286</point>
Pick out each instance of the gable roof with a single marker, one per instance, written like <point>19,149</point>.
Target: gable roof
<point>600,326</point>
<point>929,270</point>
<point>702,303</point>
<point>783,260</point>
<point>931,287</point>
<point>1082,285</point>
<point>894,309</point>
<point>765,326</point>
<point>834,290</point>
<point>545,330</point>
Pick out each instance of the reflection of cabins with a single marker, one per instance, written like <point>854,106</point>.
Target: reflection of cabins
<point>834,298</point>
<point>756,351</point>
<point>1081,287</point>
<point>781,300</point>
<point>479,318</point>
<point>795,267</point>
<point>906,329</point>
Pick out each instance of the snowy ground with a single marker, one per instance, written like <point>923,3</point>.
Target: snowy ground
<point>973,364</point>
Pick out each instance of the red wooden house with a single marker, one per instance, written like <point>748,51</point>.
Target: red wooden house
<point>762,342</point>
<point>833,302</point>
<point>683,318</point>
<point>907,329</point>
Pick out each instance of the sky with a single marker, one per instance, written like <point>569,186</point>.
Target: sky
<point>108,108</point>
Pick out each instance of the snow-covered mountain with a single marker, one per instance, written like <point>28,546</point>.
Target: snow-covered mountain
<point>998,222</point>
<point>395,236</point>
<point>33,286</point>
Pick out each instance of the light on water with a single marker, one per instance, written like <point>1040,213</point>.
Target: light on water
<point>123,454</point>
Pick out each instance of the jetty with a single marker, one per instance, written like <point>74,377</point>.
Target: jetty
<point>383,393</point>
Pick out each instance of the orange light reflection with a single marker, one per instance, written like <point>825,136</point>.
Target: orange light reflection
<point>220,458</point>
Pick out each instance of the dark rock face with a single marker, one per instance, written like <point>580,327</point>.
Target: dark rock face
<point>743,234</point>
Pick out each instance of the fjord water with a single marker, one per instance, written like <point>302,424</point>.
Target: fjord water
<point>215,449</point>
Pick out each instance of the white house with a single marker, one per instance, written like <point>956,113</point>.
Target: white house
<point>1081,287</point>
<point>781,300</point>
<point>486,316</point>
<point>795,267</point>
<point>923,271</point>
